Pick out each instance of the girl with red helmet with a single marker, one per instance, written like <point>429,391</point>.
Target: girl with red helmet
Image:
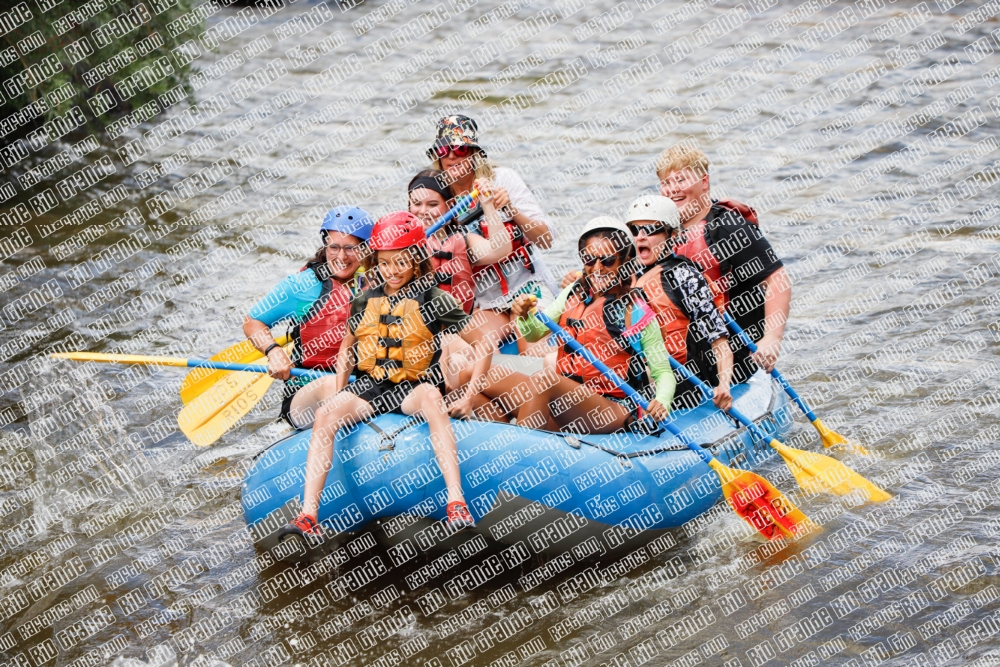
<point>393,342</point>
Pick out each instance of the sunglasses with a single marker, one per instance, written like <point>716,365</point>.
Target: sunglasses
<point>463,150</point>
<point>348,249</point>
<point>647,230</point>
<point>605,260</point>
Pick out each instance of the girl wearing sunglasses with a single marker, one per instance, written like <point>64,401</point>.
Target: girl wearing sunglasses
<point>456,152</point>
<point>613,322</point>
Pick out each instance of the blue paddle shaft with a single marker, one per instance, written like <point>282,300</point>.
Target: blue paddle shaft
<point>621,384</point>
<point>742,335</point>
<point>251,368</point>
<point>464,200</point>
<point>707,391</point>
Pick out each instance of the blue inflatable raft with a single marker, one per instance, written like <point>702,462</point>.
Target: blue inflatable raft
<point>546,492</point>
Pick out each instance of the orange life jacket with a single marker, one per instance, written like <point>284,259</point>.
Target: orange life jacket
<point>595,326</point>
<point>453,268</point>
<point>395,342</point>
<point>319,335</point>
<point>662,293</point>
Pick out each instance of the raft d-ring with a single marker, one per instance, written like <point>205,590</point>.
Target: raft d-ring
<point>387,446</point>
<point>625,461</point>
<point>572,441</point>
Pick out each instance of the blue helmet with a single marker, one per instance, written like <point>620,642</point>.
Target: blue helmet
<point>349,220</point>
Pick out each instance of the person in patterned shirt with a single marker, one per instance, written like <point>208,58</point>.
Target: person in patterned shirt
<point>686,304</point>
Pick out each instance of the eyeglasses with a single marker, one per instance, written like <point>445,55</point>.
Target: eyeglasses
<point>647,230</point>
<point>605,260</point>
<point>464,150</point>
<point>348,249</point>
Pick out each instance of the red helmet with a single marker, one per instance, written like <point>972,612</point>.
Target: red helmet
<point>397,231</point>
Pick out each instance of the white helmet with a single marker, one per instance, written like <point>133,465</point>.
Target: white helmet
<point>654,207</point>
<point>607,222</point>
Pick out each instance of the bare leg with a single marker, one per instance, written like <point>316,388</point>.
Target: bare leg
<point>504,390</point>
<point>456,357</point>
<point>497,325</point>
<point>308,399</point>
<point>427,400</point>
<point>344,410</point>
<point>580,410</point>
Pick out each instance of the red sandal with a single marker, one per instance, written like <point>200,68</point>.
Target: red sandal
<point>459,517</point>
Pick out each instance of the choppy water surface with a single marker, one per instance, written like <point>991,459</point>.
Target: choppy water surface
<point>865,138</point>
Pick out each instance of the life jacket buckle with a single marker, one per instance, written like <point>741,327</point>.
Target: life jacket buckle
<point>388,319</point>
<point>390,342</point>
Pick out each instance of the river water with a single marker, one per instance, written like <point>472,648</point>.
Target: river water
<point>864,135</point>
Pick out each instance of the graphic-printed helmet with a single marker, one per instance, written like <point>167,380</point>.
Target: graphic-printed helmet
<point>456,130</point>
<point>656,208</point>
<point>396,231</point>
<point>349,220</point>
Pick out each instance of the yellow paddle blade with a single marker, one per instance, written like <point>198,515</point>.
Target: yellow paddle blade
<point>761,505</point>
<point>207,417</point>
<point>831,438</point>
<point>819,473</point>
<point>199,380</point>
<point>121,358</point>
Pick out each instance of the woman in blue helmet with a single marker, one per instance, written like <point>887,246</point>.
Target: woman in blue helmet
<point>317,301</point>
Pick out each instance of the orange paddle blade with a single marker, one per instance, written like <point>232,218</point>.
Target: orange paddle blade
<point>761,505</point>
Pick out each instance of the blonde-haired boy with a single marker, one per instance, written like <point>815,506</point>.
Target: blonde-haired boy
<point>724,240</point>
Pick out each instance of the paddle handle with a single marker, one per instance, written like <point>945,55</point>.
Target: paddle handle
<point>742,335</point>
<point>639,399</point>
<point>464,200</point>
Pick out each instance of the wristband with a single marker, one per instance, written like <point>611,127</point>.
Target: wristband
<point>269,348</point>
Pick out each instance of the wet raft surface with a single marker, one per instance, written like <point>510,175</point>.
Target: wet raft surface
<point>118,538</point>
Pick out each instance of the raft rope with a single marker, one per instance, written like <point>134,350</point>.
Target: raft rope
<point>388,438</point>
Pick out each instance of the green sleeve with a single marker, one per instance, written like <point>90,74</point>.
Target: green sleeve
<point>658,362</point>
<point>447,311</point>
<point>532,329</point>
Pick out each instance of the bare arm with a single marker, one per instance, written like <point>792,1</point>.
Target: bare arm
<point>483,252</point>
<point>345,361</point>
<point>777,302</point>
<point>278,364</point>
<point>537,232</point>
<point>724,364</point>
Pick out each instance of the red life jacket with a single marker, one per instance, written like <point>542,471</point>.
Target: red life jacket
<point>319,335</point>
<point>453,269</point>
<point>746,210</point>
<point>664,296</point>
<point>698,247</point>
<point>594,326</point>
<point>518,254</point>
